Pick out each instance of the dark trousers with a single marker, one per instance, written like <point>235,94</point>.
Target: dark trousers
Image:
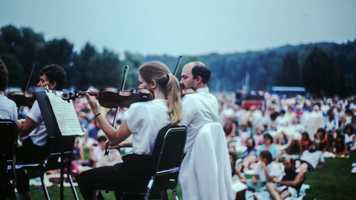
<point>28,153</point>
<point>130,176</point>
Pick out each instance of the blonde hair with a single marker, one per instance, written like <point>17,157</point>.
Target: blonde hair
<point>168,83</point>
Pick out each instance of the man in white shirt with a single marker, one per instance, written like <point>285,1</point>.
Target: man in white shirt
<point>33,131</point>
<point>312,157</point>
<point>200,106</point>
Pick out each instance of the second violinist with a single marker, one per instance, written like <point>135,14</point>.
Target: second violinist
<point>33,130</point>
<point>142,120</point>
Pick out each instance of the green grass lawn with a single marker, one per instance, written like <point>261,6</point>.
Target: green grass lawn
<point>334,181</point>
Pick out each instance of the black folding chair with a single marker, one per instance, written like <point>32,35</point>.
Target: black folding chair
<point>168,154</point>
<point>8,143</point>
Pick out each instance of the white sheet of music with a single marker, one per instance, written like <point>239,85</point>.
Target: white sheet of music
<point>65,114</point>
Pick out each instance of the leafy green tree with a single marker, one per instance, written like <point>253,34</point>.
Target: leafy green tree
<point>320,75</point>
<point>104,70</point>
<point>290,74</point>
<point>58,51</point>
<point>16,74</point>
<point>92,68</point>
<point>80,73</point>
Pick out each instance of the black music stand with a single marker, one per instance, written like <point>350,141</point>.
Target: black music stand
<point>60,145</point>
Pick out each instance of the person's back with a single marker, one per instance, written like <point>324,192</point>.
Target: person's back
<point>8,108</point>
<point>199,109</point>
<point>313,157</point>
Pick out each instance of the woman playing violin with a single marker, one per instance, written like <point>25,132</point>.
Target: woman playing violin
<point>142,120</point>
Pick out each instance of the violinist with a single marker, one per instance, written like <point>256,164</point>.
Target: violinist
<point>142,120</point>
<point>199,109</point>
<point>200,106</point>
<point>8,111</point>
<point>33,130</point>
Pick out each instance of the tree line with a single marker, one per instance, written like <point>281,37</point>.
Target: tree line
<point>24,50</point>
<point>322,68</point>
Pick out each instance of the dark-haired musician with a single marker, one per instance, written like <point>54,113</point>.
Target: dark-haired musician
<point>33,130</point>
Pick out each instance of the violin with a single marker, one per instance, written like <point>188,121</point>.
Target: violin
<point>112,97</point>
<point>21,98</point>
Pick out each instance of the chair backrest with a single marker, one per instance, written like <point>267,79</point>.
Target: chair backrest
<point>8,134</point>
<point>168,154</point>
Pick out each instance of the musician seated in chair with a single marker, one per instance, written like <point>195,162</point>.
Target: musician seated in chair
<point>8,111</point>
<point>33,131</point>
<point>142,120</point>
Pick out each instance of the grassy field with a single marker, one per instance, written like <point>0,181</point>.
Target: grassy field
<point>334,181</point>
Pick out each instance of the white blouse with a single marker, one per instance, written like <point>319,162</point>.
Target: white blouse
<point>144,120</point>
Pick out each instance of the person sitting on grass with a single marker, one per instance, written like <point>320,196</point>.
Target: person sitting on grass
<point>312,157</point>
<point>291,182</point>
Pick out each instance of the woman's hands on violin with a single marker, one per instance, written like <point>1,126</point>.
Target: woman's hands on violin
<point>114,135</point>
<point>93,103</point>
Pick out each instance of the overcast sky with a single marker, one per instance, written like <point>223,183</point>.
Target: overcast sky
<point>185,26</point>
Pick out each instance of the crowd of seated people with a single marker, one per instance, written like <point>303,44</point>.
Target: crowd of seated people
<point>276,144</point>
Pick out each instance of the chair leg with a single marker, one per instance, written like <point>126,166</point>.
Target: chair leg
<point>45,191</point>
<point>13,165</point>
<point>164,195</point>
<point>175,196</point>
<point>61,183</point>
<point>147,195</point>
<point>71,185</point>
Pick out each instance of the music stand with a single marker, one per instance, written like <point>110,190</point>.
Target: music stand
<point>62,126</point>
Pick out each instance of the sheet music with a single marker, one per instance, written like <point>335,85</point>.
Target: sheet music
<point>65,114</point>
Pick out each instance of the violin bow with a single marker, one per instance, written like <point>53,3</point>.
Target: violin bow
<point>124,77</point>
<point>123,82</point>
<point>30,77</point>
<point>176,69</point>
